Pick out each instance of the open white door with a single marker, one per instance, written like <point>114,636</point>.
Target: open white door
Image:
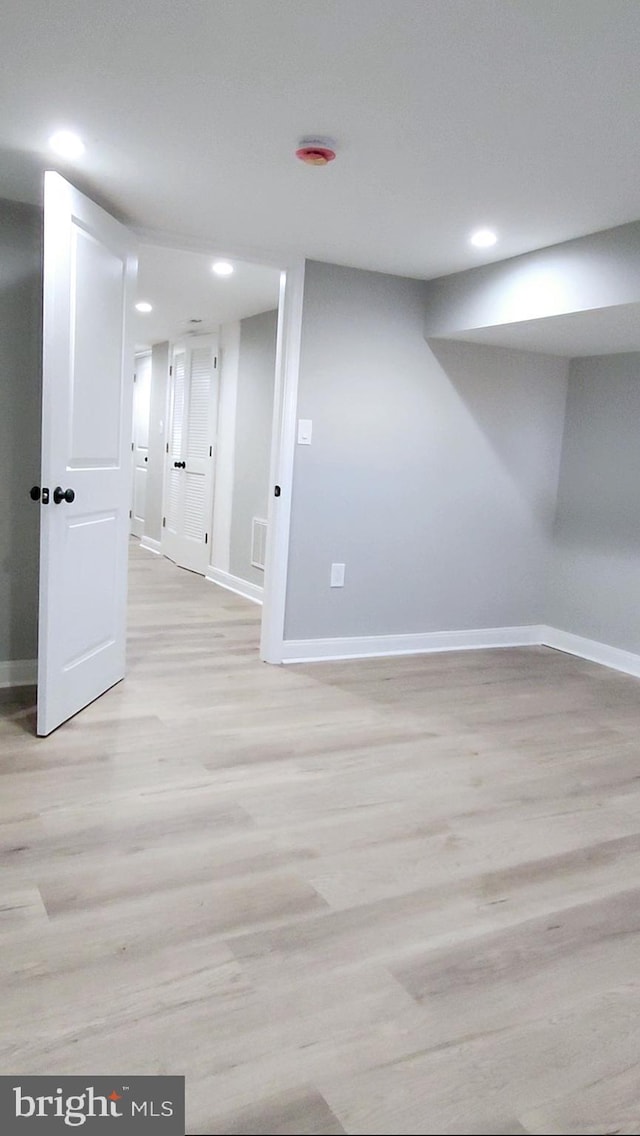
<point>89,274</point>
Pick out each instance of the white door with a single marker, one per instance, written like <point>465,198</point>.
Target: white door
<point>89,275</point>
<point>190,456</point>
<point>140,443</point>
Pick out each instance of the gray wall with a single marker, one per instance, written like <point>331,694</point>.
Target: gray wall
<point>254,412</point>
<point>20,399</point>
<point>157,412</point>
<point>594,587</point>
<point>432,473</point>
<point>597,271</point>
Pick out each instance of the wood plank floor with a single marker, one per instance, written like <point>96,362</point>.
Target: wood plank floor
<point>378,896</point>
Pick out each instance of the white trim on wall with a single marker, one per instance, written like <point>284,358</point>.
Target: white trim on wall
<point>374,646</point>
<point>590,649</point>
<point>151,545</point>
<point>283,440</point>
<point>381,646</point>
<point>232,583</point>
<point>225,445</point>
<point>18,672</point>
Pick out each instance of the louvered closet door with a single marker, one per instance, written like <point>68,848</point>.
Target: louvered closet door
<point>190,461</point>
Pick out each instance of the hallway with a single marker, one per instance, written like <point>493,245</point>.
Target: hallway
<point>389,895</point>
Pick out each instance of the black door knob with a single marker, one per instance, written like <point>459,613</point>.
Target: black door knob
<point>180,465</point>
<point>34,493</point>
<point>60,494</point>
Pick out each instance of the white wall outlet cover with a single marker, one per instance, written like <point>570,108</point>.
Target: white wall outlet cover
<point>337,575</point>
<point>305,427</point>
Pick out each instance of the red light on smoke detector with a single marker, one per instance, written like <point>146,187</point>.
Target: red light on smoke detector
<point>315,152</point>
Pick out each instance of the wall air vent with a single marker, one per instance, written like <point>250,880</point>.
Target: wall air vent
<point>258,542</point>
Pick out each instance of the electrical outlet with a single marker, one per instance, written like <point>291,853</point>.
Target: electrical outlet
<point>337,575</point>
<point>305,429</point>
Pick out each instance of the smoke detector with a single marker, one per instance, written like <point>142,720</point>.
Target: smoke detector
<point>316,151</point>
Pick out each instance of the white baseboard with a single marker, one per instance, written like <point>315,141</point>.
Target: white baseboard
<point>19,672</point>
<point>244,588</point>
<point>590,649</point>
<point>150,544</point>
<point>380,646</point>
<point>375,646</point>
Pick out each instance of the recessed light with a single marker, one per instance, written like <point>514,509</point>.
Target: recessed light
<point>222,268</point>
<point>67,144</point>
<point>483,238</point>
<point>144,306</point>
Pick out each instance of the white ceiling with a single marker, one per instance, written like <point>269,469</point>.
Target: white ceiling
<point>598,331</point>
<point>448,114</point>
<point>181,287</point>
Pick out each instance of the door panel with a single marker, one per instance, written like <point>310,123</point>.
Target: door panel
<point>197,442</point>
<point>188,496</point>
<point>194,504</point>
<point>177,404</point>
<point>96,352</point>
<point>89,274</point>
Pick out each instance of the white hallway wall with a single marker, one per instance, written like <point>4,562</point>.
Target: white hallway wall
<point>253,428</point>
<point>432,475</point>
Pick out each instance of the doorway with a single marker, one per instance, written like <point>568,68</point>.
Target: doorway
<point>209,345</point>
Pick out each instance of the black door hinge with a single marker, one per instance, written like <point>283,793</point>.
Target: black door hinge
<point>164,522</point>
<point>170,371</point>
<point>206,538</point>
<point>277,491</point>
<point>215,362</point>
<point>130,514</point>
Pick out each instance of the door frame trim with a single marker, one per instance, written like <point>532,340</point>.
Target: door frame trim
<point>283,439</point>
<point>283,433</point>
<point>146,354</point>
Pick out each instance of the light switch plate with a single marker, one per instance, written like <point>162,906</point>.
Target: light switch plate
<point>305,427</point>
<point>337,575</point>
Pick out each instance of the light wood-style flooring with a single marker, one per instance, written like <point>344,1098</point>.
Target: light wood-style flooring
<point>397,895</point>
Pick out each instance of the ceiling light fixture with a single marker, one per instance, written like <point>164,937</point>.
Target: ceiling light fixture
<point>222,268</point>
<point>483,238</point>
<point>67,144</point>
<point>144,306</point>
